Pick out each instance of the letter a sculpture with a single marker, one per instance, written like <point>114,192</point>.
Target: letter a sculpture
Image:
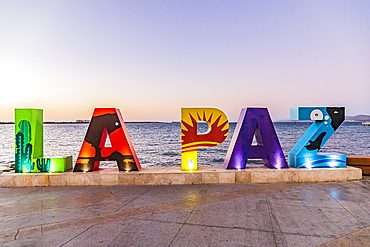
<point>107,121</point>
<point>304,153</point>
<point>255,122</point>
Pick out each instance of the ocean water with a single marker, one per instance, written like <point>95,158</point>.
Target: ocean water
<point>158,144</point>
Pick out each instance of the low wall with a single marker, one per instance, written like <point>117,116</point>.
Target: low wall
<point>174,175</point>
<point>362,162</point>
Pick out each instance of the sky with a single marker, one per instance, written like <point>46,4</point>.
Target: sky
<point>151,58</point>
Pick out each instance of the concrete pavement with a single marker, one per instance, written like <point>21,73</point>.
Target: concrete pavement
<point>277,214</point>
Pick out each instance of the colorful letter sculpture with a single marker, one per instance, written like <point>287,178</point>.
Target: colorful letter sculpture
<point>29,145</point>
<point>304,153</point>
<point>104,122</point>
<point>218,128</point>
<point>254,122</point>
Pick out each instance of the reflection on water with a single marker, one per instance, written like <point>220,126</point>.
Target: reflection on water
<point>158,144</point>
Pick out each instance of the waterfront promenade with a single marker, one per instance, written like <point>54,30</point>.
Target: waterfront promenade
<point>275,214</point>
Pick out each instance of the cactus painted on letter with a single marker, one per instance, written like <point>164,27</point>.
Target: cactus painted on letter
<point>23,154</point>
<point>43,165</point>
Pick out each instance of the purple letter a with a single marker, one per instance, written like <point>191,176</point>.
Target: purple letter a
<point>255,122</point>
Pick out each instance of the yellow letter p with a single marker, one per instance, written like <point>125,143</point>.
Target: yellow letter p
<point>218,128</point>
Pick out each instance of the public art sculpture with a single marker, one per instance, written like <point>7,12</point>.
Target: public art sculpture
<point>104,122</point>
<point>326,122</point>
<point>218,129</point>
<point>29,148</point>
<point>254,122</point>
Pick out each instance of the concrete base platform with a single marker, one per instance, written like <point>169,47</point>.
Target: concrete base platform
<point>174,175</point>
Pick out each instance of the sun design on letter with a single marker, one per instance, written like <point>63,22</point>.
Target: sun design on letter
<point>216,134</point>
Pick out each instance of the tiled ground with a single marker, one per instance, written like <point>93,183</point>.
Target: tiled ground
<point>280,214</point>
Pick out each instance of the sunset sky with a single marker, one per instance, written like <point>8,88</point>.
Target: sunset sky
<point>150,58</point>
